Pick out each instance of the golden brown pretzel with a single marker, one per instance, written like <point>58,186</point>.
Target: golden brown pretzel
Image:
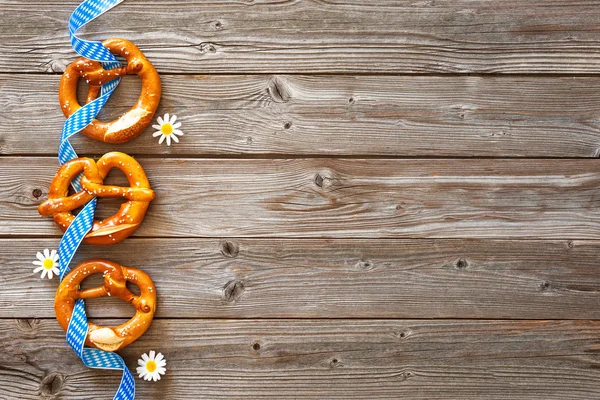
<point>113,229</point>
<point>115,279</point>
<point>135,120</point>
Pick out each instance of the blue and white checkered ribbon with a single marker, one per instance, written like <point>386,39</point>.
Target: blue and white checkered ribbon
<point>82,224</point>
<point>86,12</point>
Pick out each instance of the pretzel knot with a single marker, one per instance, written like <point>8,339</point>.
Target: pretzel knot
<point>115,228</point>
<point>133,123</point>
<point>115,285</point>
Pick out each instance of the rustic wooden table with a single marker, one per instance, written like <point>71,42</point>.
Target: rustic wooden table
<point>372,200</point>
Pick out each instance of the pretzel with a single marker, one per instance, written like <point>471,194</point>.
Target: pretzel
<point>115,285</point>
<point>135,120</point>
<point>115,228</point>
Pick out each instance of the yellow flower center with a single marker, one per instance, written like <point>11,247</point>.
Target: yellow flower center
<point>166,129</point>
<point>151,366</point>
<point>48,263</point>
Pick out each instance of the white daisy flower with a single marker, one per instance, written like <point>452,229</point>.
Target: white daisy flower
<point>151,367</point>
<point>167,129</point>
<point>47,263</point>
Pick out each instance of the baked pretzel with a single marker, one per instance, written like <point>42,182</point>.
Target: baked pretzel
<point>135,120</point>
<point>113,229</point>
<point>115,285</point>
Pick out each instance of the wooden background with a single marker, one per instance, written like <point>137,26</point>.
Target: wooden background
<point>372,200</point>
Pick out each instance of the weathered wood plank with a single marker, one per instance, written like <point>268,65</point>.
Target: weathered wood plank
<point>459,116</point>
<point>316,359</point>
<point>331,278</point>
<point>443,198</point>
<point>400,36</point>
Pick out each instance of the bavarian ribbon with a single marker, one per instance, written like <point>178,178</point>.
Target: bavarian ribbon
<point>82,224</point>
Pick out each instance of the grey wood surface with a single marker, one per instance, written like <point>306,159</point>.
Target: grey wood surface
<point>351,36</point>
<point>349,278</point>
<point>316,359</point>
<point>332,115</point>
<point>373,200</point>
<point>443,198</point>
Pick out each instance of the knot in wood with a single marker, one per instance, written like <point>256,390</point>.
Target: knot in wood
<point>318,180</point>
<point>335,363</point>
<point>364,265</point>
<point>230,249</point>
<point>233,290</point>
<point>401,333</point>
<point>28,324</point>
<point>324,179</point>
<point>278,90</point>
<point>406,375</point>
<point>52,384</point>
<point>207,48</point>
<point>461,263</point>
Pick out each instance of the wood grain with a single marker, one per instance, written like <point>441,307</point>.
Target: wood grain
<point>316,359</point>
<point>275,278</point>
<point>275,115</point>
<point>341,36</point>
<point>435,198</point>
<point>305,259</point>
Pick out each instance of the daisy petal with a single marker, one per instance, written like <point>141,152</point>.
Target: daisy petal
<point>169,140</point>
<point>152,354</point>
<point>177,132</point>
<point>173,119</point>
<point>175,138</point>
<point>162,139</point>
<point>177,125</point>
<point>159,357</point>
<point>160,121</point>
<point>36,262</point>
<point>44,271</point>
<point>40,256</point>
<point>157,133</point>
<point>167,118</point>
<point>56,271</point>
<point>50,275</point>
<point>145,357</point>
<point>38,269</point>
<point>46,253</point>
<point>141,364</point>
<point>53,254</point>
<point>156,127</point>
